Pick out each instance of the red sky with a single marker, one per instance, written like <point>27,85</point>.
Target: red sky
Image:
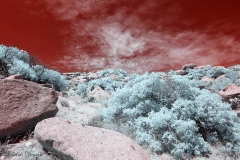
<point>135,35</point>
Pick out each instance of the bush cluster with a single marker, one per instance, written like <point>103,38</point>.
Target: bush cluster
<point>17,61</point>
<point>120,72</point>
<point>222,77</point>
<point>173,115</point>
<point>106,84</point>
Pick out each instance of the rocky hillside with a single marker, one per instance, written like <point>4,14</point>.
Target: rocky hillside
<point>191,113</point>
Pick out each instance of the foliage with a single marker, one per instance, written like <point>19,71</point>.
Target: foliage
<point>220,83</point>
<point>20,62</point>
<point>54,78</point>
<point>106,84</point>
<point>82,89</point>
<point>222,77</point>
<point>120,72</point>
<point>22,68</point>
<point>173,115</point>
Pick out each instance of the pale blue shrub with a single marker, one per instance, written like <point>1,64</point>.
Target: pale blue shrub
<point>120,72</point>
<point>172,115</point>
<point>39,70</point>
<point>106,84</point>
<point>54,78</point>
<point>18,61</point>
<point>82,89</point>
<point>220,83</point>
<point>197,74</point>
<point>237,83</point>
<point>19,67</point>
<point>215,72</point>
<point>207,71</point>
<point>232,75</point>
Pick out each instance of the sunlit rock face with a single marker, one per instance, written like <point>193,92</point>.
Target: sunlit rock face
<point>137,36</point>
<point>23,105</point>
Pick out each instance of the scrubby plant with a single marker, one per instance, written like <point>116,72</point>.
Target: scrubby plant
<point>222,76</point>
<point>82,89</point>
<point>24,69</point>
<point>237,83</point>
<point>220,83</point>
<point>197,74</point>
<point>173,115</point>
<point>207,71</point>
<point>120,72</point>
<point>231,74</point>
<point>17,61</point>
<point>106,84</point>
<point>54,78</point>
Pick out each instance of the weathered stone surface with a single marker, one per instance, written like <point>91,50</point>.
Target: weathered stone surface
<point>236,67</point>
<point>72,141</point>
<point>23,104</point>
<point>188,66</point>
<point>92,75</point>
<point>181,72</point>
<point>1,76</point>
<point>27,150</point>
<point>99,94</point>
<point>16,76</point>
<point>200,67</point>
<point>47,85</point>
<point>207,79</point>
<point>230,91</point>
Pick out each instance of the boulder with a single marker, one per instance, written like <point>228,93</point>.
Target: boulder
<point>2,76</point>
<point>236,67</point>
<point>73,141</point>
<point>23,104</point>
<point>47,85</point>
<point>181,72</point>
<point>99,94</point>
<point>230,91</point>
<point>92,75</point>
<point>207,79</point>
<point>16,76</point>
<point>188,66</point>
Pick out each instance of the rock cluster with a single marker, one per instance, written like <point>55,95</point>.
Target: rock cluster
<point>26,106</point>
<point>60,120</point>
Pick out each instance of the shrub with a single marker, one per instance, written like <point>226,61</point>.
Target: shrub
<point>54,78</point>
<point>19,61</point>
<point>107,84</point>
<point>207,71</point>
<point>120,72</point>
<point>19,67</point>
<point>197,74</point>
<point>172,115</point>
<point>220,83</point>
<point>82,90</point>
<point>232,75</point>
<point>237,83</point>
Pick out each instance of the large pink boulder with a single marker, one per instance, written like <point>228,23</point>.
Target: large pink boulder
<point>230,91</point>
<point>75,141</point>
<point>23,104</point>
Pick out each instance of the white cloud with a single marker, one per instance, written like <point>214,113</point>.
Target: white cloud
<point>133,41</point>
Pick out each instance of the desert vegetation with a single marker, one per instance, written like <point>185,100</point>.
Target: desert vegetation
<point>15,61</point>
<point>162,111</point>
<point>169,113</point>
